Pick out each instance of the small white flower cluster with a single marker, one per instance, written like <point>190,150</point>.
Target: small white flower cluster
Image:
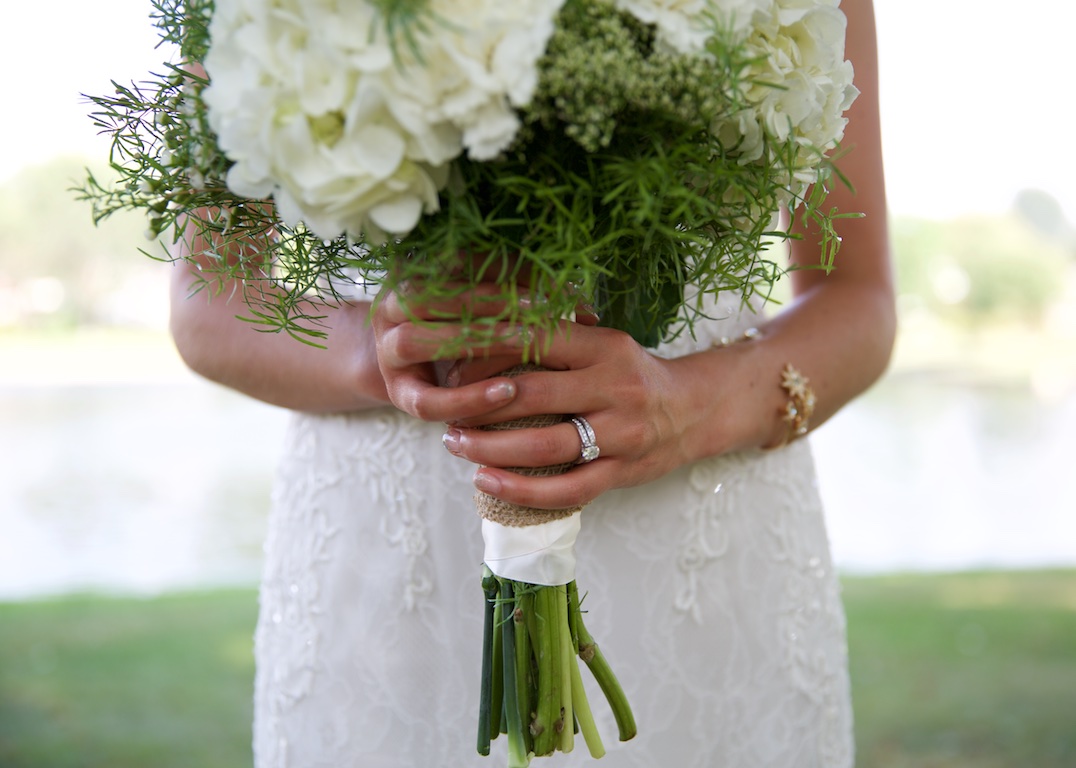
<point>800,85</point>
<point>351,132</point>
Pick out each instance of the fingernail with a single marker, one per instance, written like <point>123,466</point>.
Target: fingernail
<point>452,377</point>
<point>486,484</point>
<point>500,392</point>
<point>451,440</point>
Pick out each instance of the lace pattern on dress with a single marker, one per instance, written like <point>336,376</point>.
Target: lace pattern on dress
<point>302,545</point>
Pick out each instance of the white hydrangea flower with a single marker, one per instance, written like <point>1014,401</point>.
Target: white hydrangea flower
<point>310,102</point>
<point>803,85</point>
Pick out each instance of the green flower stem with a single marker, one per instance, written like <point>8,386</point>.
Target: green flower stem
<point>485,700</point>
<point>603,673</point>
<point>565,657</point>
<point>530,621</point>
<point>496,719</point>
<point>572,594</point>
<point>546,650</point>
<point>523,613</point>
<point>584,717</point>
<point>518,756</point>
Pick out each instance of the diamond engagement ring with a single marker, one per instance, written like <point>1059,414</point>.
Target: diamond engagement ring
<point>589,450</point>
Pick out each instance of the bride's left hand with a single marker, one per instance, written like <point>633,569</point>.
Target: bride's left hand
<point>639,410</point>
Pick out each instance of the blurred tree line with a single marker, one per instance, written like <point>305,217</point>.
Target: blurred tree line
<point>58,270</point>
<point>983,269</point>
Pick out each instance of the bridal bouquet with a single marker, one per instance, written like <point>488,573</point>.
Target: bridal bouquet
<point>622,151</point>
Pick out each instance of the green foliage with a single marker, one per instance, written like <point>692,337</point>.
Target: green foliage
<point>90,681</point>
<point>979,268</point>
<point>184,24</point>
<point>964,670</point>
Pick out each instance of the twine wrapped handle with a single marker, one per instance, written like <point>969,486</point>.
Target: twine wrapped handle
<point>516,515</point>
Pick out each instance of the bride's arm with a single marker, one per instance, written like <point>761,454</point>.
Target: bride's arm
<point>273,367</point>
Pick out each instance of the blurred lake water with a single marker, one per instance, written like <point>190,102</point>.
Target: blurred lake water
<point>157,486</point>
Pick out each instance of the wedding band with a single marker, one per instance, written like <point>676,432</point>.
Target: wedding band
<point>589,449</point>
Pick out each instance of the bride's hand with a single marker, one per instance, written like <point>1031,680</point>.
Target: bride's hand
<point>407,354</point>
<point>640,407</point>
<point>420,383</point>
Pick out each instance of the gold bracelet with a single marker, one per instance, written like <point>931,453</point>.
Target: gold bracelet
<point>800,406</point>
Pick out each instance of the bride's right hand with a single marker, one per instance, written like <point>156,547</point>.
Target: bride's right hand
<point>408,339</point>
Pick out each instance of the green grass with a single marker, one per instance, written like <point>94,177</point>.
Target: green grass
<point>972,670</point>
<point>126,683</point>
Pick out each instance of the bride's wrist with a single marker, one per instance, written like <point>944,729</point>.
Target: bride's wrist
<point>753,401</point>
<point>783,401</point>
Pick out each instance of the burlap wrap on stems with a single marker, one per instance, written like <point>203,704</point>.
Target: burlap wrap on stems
<point>513,514</point>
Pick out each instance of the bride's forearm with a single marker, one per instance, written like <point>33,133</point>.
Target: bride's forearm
<point>273,367</point>
<point>839,335</point>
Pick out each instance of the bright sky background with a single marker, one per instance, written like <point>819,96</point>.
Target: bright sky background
<point>976,101</point>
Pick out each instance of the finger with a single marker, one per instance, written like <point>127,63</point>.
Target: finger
<point>430,402</point>
<point>562,392</point>
<point>594,371</point>
<point>579,485</point>
<point>527,447</point>
<point>409,344</point>
<point>575,345</point>
<point>463,372</point>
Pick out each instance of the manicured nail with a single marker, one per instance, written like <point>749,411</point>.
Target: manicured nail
<point>486,484</point>
<point>451,440</point>
<point>452,376</point>
<point>500,391</point>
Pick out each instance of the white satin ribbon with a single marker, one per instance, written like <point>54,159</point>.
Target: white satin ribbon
<point>536,554</point>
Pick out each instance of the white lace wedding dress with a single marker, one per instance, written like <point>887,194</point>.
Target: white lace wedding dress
<point>711,592</point>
